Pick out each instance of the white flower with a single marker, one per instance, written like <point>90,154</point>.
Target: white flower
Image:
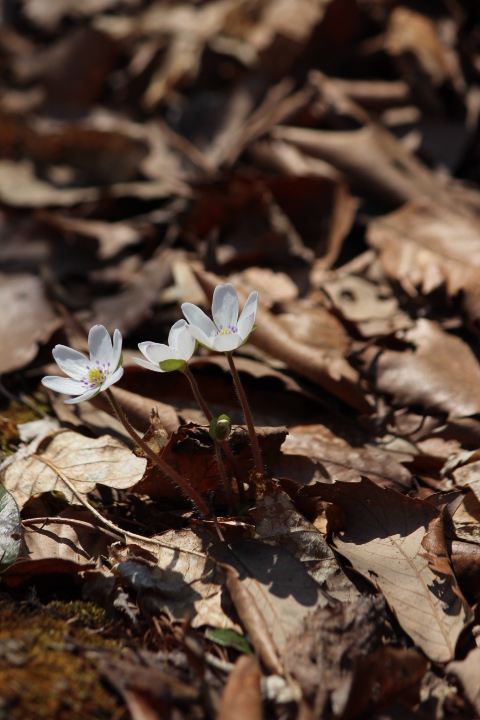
<point>228,331</point>
<point>88,377</point>
<point>164,358</point>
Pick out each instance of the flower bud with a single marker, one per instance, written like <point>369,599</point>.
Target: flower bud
<point>220,428</point>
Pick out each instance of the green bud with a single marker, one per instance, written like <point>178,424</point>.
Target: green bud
<point>220,428</point>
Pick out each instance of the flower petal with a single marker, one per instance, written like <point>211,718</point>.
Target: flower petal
<point>100,345</point>
<point>247,318</point>
<point>197,318</point>
<point>147,364</point>
<point>227,343</point>
<point>63,385</point>
<point>117,349</point>
<point>156,352</point>
<point>199,335</point>
<point>70,361</point>
<point>225,306</point>
<point>91,392</point>
<point>113,378</point>
<point>175,331</point>
<point>186,344</point>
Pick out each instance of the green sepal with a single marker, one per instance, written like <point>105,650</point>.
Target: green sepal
<point>170,365</point>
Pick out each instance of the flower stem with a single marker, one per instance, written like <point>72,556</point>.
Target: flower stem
<point>226,447</point>
<point>181,482</point>
<point>257,456</point>
<point>226,484</point>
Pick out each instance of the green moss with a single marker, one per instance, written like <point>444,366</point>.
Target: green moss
<point>47,662</point>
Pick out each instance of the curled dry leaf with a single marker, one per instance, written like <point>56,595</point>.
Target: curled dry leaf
<point>441,374</point>
<point>272,593</point>
<point>425,245</point>
<point>383,539</point>
<point>181,580</point>
<point>466,672</point>
<point>84,461</point>
<point>30,320</point>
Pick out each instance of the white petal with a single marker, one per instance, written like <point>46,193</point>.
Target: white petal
<point>226,343</point>
<point>100,345</point>
<point>200,336</point>
<point>247,318</point>
<point>91,392</point>
<point>225,306</point>
<point>113,378</point>
<point>70,361</point>
<point>63,385</point>
<point>185,344</point>
<point>175,331</point>
<point>147,364</point>
<point>117,349</point>
<point>157,352</point>
<point>197,318</point>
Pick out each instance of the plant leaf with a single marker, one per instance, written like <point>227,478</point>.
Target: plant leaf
<point>10,530</point>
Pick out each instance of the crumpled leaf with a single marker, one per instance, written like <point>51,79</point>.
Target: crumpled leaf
<point>385,540</point>
<point>10,531</point>
<point>84,461</point>
<point>272,593</point>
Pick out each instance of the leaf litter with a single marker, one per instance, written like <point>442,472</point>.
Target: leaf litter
<point>325,155</point>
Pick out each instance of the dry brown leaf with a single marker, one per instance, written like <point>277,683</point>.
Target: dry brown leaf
<point>442,374</point>
<point>30,320</point>
<point>20,187</point>
<point>84,461</point>
<point>425,245</point>
<point>181,581</point>
<point>383,539</point>
<point>272,593</point>
<point>242,698</point>
<point>335,458</point>
<point>467,672</point>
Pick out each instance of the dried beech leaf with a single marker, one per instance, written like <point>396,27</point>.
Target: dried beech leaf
<point>442,374</point>
<point>30,320</point>
<point>84,461</point>
<point>383,541</point>
<point>272,593</point>
<point>181,581</point>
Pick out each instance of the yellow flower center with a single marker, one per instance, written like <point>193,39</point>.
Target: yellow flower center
<point>94,376</point>
<point>227,331</point>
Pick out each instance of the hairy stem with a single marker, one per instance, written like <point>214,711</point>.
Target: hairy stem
<point>257,456</point>
<point>226,447</point>
<point>181,482</point>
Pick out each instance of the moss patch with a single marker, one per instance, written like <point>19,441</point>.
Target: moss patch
<point>48,662</point>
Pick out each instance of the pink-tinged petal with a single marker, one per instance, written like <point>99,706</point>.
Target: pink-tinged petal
<point>197,318</point>
<point>227,343</point>
<point>156,352</point>
<point>199,335</point>
<point>175,331</point>
<point>117,349</point>
<point>247,318</point>
<point>186,344</point>
<point>70,361</point>
<point>113,378</point>
<point>148,365</point>
<point>63,385</point>
<point>225,306</point>
<point>100,345</point>
<point>90,393</point>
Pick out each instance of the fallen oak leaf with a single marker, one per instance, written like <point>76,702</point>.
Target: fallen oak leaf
<point>383,537</point>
